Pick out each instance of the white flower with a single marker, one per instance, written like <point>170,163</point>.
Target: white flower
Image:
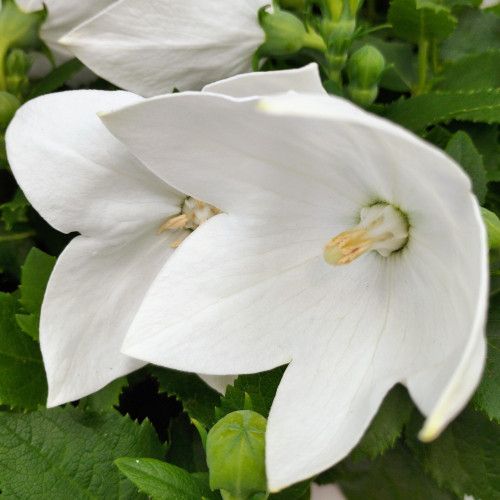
<point>326,492</point>
<point>150,47</point>
<point>80,178</point>
<point>253,290</point>
<point>63,16</point>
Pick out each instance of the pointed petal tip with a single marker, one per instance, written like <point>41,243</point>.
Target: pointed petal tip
<point>431,430</point>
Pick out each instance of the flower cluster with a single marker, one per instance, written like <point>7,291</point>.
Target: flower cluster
<point>256,223</point>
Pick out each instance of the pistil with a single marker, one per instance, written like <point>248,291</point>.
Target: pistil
<point>382,227</point>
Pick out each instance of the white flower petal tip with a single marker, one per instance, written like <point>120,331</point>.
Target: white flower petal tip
<point>253,290</point>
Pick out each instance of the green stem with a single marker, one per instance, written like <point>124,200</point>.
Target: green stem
<point>423,56</point>
<point>3,80</point>
<point>16,236</point>
<point>313,41</point>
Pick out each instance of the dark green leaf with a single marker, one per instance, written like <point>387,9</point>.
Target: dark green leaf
<point>476,32</point>
<point>387,425</point>
<point>417,113</point>
<point>22,376</point>
<point>15,210</point>
<point>396,475</point>
<point>185,449</point>
<point>462,149</point>
<point>56,78</point>
<point>487,396</point>
<point>261,387</point>
<point>465,458</point>
<point>295,492</point>
<point>163,481</point>
<point>485,138</point>
<point>105,398</point>
<point>472,72</point>
<point>197,398</point>
<point>69,453</point>
<point>413,19</point>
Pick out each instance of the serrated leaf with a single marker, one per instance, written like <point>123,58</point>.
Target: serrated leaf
<point>69,453</point>
<point>163,481</point>
<point>105,398</point>
<point>387,425</point>
<point>461,148</point>
<point>197,398</point>
<point>15,210</point>
<point>487,396</point>
<point>56,78</point>
<point>417,113</point>
<point>22,376</point>
<point>35,275</point>
<point>465,458</point>
<point>261,387</point>
<point>476,32</point>
<point>413,19</point>
<point>485,138</point>
<point>396,475</point>
<point>472,72</point>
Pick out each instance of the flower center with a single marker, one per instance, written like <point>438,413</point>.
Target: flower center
<point>382,227</point>
<point>193,214</point>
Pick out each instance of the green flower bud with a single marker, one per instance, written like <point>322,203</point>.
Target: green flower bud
<point>365,67</point>
<point>19,29</point>
<point>362,97</point>
<point>285,33</point>
<point>235,456</point>
<point>17,63</point>
<point>8,107</point>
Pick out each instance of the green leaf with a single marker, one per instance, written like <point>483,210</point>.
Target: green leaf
<point>461,148</point>
<point>22,376</point>
<point>197,398</point>
<point>185,448</point>
<point>417,113</point>
<point>476,32</point>
<point>261,387</point>
<point>69,453</point>
<point>396,475</point>
<point>472,72</point>
<point>487,396</point>
<point>163,481</point>
<point>485,138</point>
<point>465,458</point>
<point>15,210</point>
<point>295,492</point>
<point>387,425</point>
<point>413,19</point>
<point>56,78</point>
<point>105,398</point>
<point>493,227</point>
<point>35,275</point>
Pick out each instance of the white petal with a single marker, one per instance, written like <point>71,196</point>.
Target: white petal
<point>252,159</point>
<point>152,46</point>
<point>305,79</point>
<point>76,174</point>
<point>63,16</point>
<point>92,296</point>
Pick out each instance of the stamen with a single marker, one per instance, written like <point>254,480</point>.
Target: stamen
<point>193,214</point>
<point>382,228</point>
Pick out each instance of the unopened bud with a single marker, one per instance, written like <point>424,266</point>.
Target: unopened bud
<point>285,33</point>
<point>236,456</point>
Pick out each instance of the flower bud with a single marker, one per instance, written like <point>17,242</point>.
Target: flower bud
<point>365,68</point>
<point>19,29</point>
<point>236,458</point>
<point>17,66</point>
<point>8,107</point>
<point>285,33</point>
